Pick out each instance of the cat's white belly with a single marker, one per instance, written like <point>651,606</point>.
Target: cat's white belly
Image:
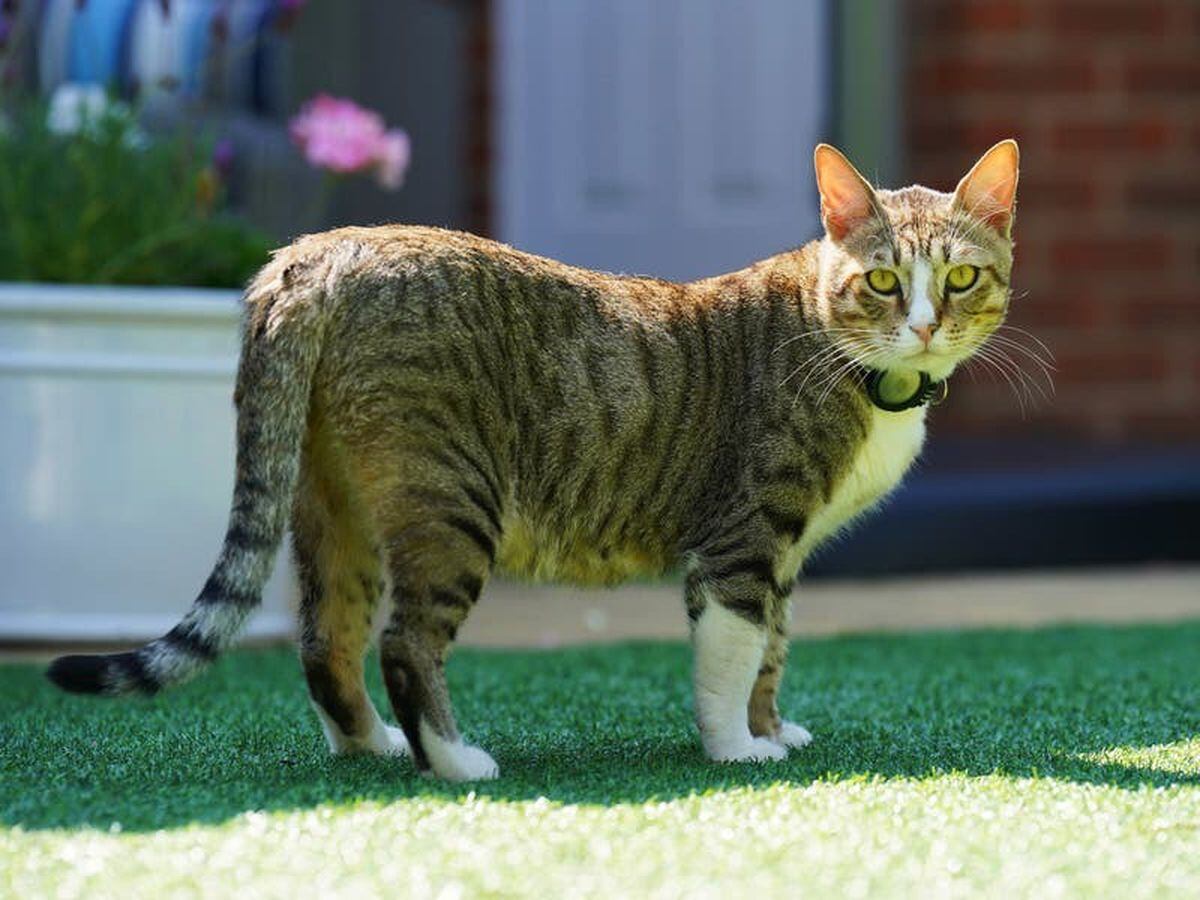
<point>892,444</point>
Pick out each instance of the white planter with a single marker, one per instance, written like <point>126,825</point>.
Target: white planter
<point>116,459</point>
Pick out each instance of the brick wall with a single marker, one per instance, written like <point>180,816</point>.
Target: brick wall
<point>1104,97</point>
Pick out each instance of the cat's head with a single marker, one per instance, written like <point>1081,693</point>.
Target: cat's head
<point>915,278</point>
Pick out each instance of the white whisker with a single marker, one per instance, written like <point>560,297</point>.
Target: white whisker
<point>993,365</point>
<point>999,354</point>
<point>1029,334</point>
<point>1045,369</point>
<point>823,355</point>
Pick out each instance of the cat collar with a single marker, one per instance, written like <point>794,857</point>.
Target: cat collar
<point>898,391</point>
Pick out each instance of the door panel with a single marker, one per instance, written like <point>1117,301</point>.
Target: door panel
<point>600,115</point>
<point>671,137</point>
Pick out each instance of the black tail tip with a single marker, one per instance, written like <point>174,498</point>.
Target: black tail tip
<point>79,674</point>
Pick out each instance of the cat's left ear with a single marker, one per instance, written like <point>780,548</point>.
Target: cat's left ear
<point>989,190</point>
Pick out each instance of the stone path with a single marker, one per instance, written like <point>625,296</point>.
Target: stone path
<point>513,614</point>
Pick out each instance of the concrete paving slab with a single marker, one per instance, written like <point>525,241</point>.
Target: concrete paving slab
<point>514,614</point>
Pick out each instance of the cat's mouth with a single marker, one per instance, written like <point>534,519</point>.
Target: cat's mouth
<point>936,363</point>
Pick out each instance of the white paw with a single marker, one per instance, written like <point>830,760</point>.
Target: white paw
<point>751,749</point>
<point>382,739</point>
<point>397,743</point>
<point>470,764</point>
<point>456,761</point>
<point>793,735</point>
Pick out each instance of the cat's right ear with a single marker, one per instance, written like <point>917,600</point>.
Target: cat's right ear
<point>847,200</point>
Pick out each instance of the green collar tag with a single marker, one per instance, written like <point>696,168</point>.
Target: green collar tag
<point>898,391</point>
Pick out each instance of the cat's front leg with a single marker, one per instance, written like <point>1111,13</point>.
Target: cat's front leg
<point>729,637</point>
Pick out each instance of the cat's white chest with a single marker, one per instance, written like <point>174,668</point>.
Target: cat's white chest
<point>892,444</point>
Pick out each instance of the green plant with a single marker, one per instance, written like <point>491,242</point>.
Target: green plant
<point>100,201</point>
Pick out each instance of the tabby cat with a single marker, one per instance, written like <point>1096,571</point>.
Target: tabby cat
<point>425,406</point>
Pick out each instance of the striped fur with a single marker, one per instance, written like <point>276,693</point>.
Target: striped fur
<point>427,407</point>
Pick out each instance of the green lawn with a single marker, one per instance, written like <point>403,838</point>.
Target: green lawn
<point>999,763</point>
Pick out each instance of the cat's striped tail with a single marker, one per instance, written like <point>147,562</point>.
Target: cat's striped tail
<point>280,347</point>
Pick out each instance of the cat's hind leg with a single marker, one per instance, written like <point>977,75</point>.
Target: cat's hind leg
<point>342,586</point>
<point>440,557</point>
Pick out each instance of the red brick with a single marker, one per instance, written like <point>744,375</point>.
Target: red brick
<point>1164,76</point>
<point>930,137</point>
<point>1041,310</point>
<point>1112,137</point>
<point>1069,193</point>
<point>1168,310</point>
<point>1123,365</point>
<point>978,392</point>
<point>987,16</point>
<point>1107,18</point>
<point>1174,196</point>
<point>997,15</point>
<point>1016,77</point>
<point>1104,256</point>
<point>937,133</point>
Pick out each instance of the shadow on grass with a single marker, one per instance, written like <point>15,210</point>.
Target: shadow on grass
<point>607,725</point>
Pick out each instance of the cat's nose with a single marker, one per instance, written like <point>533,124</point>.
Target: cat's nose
<point>924,332</point>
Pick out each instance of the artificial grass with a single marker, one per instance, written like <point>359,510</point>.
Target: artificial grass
<point>1064,761</point>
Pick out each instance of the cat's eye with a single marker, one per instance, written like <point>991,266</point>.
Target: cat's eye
<point>962,277</point>
<point>883,281</point>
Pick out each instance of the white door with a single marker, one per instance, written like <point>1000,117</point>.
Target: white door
<point>663,137</point>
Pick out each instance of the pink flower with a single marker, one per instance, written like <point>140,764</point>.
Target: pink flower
<point>393,158</point>
<point>337,134</point>
<point>341,136</point>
